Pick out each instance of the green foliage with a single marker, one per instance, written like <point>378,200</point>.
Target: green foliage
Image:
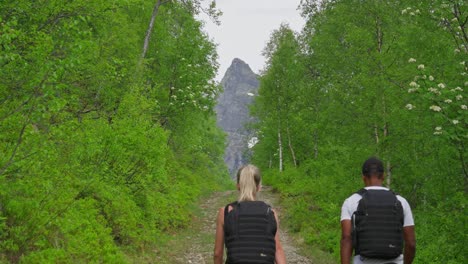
<point>97,164</point>
<point>366,79</point>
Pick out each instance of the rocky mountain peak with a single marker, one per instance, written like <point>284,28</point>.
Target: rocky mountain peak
<point>240,86</point>
<point>239,71</point>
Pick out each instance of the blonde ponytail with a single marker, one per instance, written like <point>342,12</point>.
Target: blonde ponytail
<point>248,179</point>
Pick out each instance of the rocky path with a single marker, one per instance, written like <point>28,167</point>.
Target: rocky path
<point>196,244</point>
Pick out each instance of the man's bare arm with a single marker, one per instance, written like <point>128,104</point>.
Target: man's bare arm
<point>346,246</point>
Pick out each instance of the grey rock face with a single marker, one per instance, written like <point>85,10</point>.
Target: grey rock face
<point>240,86</point>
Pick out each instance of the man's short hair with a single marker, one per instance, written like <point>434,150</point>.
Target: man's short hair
<point>373,167</point>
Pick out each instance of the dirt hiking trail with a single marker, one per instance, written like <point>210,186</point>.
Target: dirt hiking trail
<point>195,245</point>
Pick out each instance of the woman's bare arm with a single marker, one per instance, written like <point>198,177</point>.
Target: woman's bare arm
<point>219,238</point>
<point>280,258</point>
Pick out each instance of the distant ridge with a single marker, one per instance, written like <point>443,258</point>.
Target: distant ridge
<point>240,85</point>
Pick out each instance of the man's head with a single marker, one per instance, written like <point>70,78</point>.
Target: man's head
<point>373,167</point>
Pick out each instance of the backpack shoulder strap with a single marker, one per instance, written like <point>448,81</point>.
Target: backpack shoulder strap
<point>226,209</point>
<point>362,191</point>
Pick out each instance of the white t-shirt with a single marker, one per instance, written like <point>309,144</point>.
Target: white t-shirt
<point>350,206</point>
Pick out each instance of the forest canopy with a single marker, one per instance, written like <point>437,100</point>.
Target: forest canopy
<point>104,146</point>
<point>369,78</point>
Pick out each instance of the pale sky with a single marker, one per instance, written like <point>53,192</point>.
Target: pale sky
<point>246,26</point>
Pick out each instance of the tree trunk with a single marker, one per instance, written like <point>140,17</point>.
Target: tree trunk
<point>389,174</point>
<point>291,148</point>
<point>379,34</point>
<point>150,28</point>
<point>280,147</point>
<point>315,145</point>
<point>376,133</point>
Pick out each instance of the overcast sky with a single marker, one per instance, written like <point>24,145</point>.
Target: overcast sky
<point>246,26</point>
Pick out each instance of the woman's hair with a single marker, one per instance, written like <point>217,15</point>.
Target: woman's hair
<point>248,178</point>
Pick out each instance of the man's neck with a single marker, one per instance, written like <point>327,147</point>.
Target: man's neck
<point>373,181</point>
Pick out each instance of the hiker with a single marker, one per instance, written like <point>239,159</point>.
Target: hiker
<point>249,228</point>
<point>375,221</point>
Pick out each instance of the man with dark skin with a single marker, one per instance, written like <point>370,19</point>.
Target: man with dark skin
<point>373,177</point>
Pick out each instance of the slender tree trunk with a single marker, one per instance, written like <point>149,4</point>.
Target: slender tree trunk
<point>270,162</point>
<point>389,174</point>
<point>376,133</point>
<point>379,34</point>
<point>280,147</point>
<point>150,28</point>
<point>291,147</point>
<point>315,144</point>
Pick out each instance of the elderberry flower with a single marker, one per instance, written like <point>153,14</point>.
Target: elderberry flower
<point>441,85</point>
<point>448,101</point>
<point>435,108</point>
<point>464,107</point>
<point>433,90</point>
<point>421,67</point>
<point>458,89</point>
<point>411,60</point>
<point>455,121</point>
<point>431,78</point>
<point>459,97</point>
<point>413,84</point>
<point>409,106</point>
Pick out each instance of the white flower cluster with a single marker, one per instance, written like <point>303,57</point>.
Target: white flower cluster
<point>411,60</point>
<point>455,122</point>
<point>438,131</point>
<point>413,84</point>
<point>421,67</point>
<point>464,107</point>
<point>431,78</point>
<point>435,108</point>
<point>410,106</point>
<point>441,85</point>
<point>459,97</point>
<point>434,90</point>
<point>448,101</point>
<point>408,10</point>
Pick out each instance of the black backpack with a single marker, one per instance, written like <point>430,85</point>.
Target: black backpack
<point>249,233</point>
<point>378,225</point>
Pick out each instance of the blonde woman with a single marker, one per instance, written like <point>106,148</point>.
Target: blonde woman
<point>249,228</point>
